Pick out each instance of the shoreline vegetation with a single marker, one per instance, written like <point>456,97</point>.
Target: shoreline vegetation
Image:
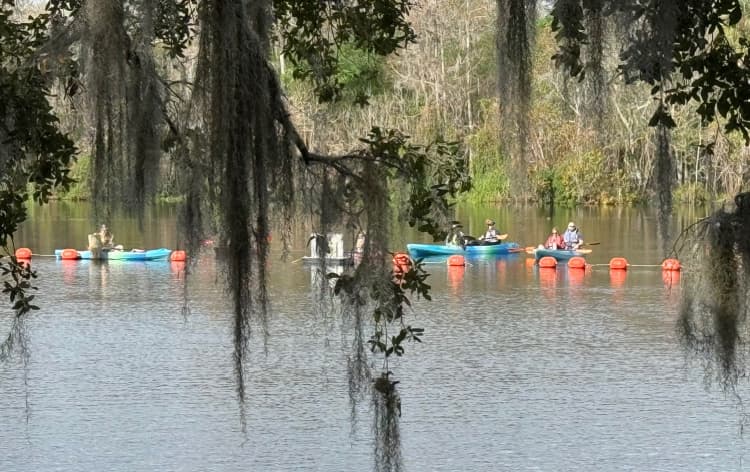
<point>446,86</point>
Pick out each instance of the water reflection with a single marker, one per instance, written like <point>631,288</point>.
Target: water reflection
<point>617,278</point>
<point>575,276</point>
<point>455,276</point>
<point>107,380</point>
<point>547,277</point>
<point>69,269</point>
<point>670,278</point>
<point>177,268</point>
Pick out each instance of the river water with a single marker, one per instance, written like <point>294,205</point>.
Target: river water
<point>520,369</point>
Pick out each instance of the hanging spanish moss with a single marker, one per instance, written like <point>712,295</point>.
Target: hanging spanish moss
<point>649,57</point>
<point>664,179</point>
<point>16,340</point>
<point>387,411</point>
<point>124,94</point>
<point>596,77</point>
<point>234,90</point>
<point>713,316</point>
<point>359,374</point>
<point>515,34</point>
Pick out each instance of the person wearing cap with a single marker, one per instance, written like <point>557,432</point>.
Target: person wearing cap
<point>573,238</point>
<point>455,235</point>
<point>555,240</point>
<point>490,235</point>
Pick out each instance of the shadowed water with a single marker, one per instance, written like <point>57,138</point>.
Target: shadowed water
<point>521,369</point>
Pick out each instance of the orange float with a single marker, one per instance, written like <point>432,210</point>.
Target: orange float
<point>456,260</point>
<point>178,256</point>
<point>671,264</point>
<point>618,263</point>
<point>547,262</point>
<point>23,253</point>
<point>401,263</point>
<point>69,254</point>
<point>576,262</point>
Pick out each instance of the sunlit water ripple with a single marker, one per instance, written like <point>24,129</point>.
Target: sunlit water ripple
<point>519,370</point>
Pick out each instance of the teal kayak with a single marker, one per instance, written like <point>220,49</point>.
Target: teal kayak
<point>560,255</point>
<point>161,254</point>
<point>418,251</point>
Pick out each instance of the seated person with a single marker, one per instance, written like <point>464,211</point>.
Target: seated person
<point>105,236</point>
<point>573,238</point>
<point>490,235</point>
<point>554,241</point>
<point>455,235</point>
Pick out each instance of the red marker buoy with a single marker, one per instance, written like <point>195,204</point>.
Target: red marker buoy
<point>548,262</point>
<point>69,254</point>
<point>178,256</point>
<point>23,253</point>
<point>618,263</point>
<point>671,264</point>
<point>577,262</point>
<point>456,260</point>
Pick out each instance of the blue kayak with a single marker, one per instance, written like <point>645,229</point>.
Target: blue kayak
<point>418,251</point>
<point>161,254</point>
<point>560,255</point>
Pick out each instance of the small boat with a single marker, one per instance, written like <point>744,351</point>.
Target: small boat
<point>161,254</point>
<point>560,255</point>
<point>418,251</point>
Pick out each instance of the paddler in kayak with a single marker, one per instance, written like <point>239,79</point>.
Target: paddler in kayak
<point>573,238</point>
<point>489,236</point>
<point>102,240</point>
<point>455,235</point>
<point>554,241</point>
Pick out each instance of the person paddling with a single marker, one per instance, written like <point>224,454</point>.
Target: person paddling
<point>490,235</point>
<point>573,238</point>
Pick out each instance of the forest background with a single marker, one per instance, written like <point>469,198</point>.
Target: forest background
<point>446,85</point>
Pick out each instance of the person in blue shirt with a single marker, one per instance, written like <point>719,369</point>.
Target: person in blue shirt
<point>573,238</point>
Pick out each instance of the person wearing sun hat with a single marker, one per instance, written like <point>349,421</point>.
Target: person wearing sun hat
<point>491,234</point>
<point>573,238</point>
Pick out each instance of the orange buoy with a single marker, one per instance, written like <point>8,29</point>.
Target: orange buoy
<point>456,260</point>
<point>69,254</point>
<point>177,256</point>
<point>547,261</point>
<point>671,264</point>
<point>618,263</point>
<point>577,262</point>
<point>401,263</point>
<point>23,253</point>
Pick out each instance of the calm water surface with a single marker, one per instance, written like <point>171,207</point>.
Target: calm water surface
<point>520,369</point>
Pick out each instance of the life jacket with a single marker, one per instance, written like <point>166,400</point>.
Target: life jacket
<point>570,238</point>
